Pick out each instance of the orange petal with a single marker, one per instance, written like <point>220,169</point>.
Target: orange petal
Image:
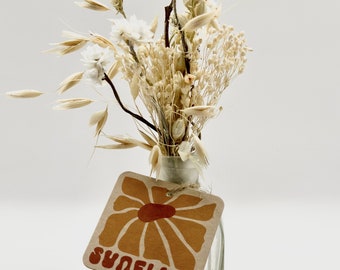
<point>185,201</point>
<point>123,202</point>
<point>113,226</point>
<point>204,213</point>
<point>154,246</point>
<point>192,232</point>
<point>181,256</point>
<point>159,195</point>
<point>130,241</point>
<point>136,189</point>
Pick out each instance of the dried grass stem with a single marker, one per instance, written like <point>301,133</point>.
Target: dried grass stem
<point>134,115</point>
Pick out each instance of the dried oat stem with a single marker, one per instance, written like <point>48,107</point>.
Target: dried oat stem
<point>134,115</point>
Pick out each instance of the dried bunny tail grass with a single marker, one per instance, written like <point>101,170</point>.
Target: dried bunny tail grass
<point>24,93</point>
<point>93,5</point>
<point>125,140</point>
<point>72,103</point>
<point>70,81</point>
<point>99,118</point>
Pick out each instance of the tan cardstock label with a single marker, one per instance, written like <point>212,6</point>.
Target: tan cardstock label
<point>142,227</point>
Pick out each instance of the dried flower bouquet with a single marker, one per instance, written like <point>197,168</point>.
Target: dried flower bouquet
<point>178,77</point>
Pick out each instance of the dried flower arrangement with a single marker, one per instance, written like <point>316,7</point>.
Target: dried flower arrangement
<point>178,77</point>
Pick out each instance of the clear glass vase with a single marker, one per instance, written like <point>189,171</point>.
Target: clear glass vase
<point>174,170</point>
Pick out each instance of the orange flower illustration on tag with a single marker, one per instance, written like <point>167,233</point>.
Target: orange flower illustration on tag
<point>154,225</point>
<point>146,223</point>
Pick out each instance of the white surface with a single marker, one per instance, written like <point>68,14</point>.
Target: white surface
<point>274,150</point>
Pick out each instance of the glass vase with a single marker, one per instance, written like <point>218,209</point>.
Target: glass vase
<point>174,170</point>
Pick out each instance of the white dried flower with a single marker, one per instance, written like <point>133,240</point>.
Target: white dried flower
<point>131,30</point>
<point>96,59</point>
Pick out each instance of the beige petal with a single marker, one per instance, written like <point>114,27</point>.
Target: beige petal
<point>118,5</point>
<point>70,81</point>
<point>134,87</point>
<point>147,138</point>
<point>62,50</point>
<point>202,111</point>
<point>101,41</point>
<point>154,25</point>
<point>154,158</point>
<point>69,43</point>
<point>178,129</point>
<point>185,150</point>
<point>24,93</point>
<point>200,20</point>
<point>73,35</point>
<point>200,151</point>
<point>75,41</point>
<point>72,103</point>
<point>92,5</point>
<point>116,146</point>
<point>114,69</point>
<point>99,118</point>
<point>130,141</point>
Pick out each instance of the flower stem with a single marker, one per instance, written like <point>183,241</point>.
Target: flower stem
<point>134,115</point>
<point>168,10</point>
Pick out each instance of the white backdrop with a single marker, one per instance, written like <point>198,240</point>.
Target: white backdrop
<point>274,150</point>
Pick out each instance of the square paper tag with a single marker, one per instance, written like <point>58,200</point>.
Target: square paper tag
<point>142,227</point>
